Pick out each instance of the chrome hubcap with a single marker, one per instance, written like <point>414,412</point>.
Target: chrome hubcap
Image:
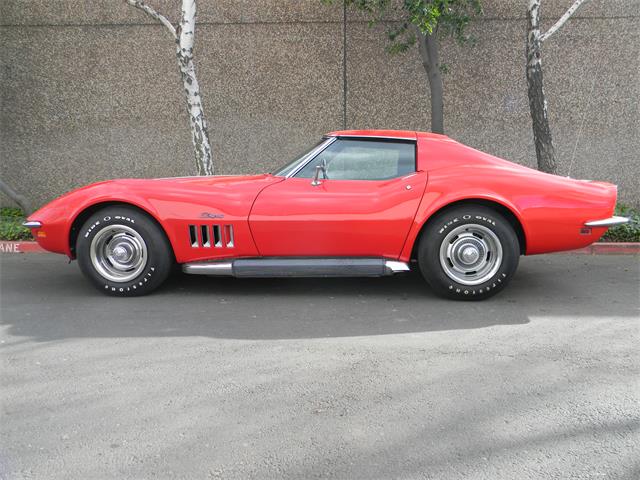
<point>118,253</point>
<point>471,254</point>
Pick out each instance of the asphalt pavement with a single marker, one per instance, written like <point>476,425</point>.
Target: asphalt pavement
<point>321,378</point>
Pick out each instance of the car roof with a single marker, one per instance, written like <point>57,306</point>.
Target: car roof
<point>399,134</point>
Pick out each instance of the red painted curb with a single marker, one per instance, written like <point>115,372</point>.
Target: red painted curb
<point>609,248</point>
<point>601,248</point>
<point>21,247</point>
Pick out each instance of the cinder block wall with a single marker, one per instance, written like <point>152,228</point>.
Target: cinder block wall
<point>90,90</point>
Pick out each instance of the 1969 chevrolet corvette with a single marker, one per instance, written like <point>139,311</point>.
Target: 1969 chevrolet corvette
<point>359,203</point>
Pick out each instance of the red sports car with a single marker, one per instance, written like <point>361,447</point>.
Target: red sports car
<point>359,203</point>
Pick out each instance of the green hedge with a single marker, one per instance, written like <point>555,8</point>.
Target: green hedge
<point>11,225</point>
<point>629,232</point>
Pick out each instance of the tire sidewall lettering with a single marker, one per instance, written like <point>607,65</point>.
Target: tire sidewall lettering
<point>92,228</point>
<point>465,219</point>
<point>107,219</point>
<point>133,285</point>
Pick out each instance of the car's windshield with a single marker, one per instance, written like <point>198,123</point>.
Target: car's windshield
<point>291,166</point>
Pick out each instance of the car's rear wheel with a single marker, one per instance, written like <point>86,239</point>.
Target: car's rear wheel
<point>468,252</point>
<point>123,252</point>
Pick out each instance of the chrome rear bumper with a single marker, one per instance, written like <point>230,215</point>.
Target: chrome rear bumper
<point>607,222</point>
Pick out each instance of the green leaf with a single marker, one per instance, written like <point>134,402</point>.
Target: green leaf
<point>431,17</point>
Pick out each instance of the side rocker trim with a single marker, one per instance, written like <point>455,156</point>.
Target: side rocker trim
<point>273,267</point>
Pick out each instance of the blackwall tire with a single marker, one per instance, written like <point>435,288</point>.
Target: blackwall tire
<point>468,253</point>
<point>123,252</point>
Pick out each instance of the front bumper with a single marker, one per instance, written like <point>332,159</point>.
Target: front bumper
<point>32,224</point>
<point>607,222</point>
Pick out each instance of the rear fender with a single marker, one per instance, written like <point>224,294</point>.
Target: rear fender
<point>434,202</point>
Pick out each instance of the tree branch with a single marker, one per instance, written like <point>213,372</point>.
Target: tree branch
<point>562,20</point>
<point>153,14</point>
<point>20,200</point>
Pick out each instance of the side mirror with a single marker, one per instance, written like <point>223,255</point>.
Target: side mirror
<point>320,168</point>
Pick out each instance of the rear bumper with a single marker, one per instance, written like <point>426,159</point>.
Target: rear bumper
<point>607,222</point>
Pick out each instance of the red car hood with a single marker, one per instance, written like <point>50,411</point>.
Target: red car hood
<point>210,181</point>
<point>243,187</point>
<point>217,186</point>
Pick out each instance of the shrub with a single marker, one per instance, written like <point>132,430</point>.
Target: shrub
<point>11,225</point>
<point>629,232</point>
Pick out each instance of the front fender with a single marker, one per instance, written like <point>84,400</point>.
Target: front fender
<point>173,203</point>
<point>58,216</point>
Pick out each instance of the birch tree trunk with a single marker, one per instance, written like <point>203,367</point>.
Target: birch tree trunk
<point>429,52</point>
<point>184,36</point>
<point>184,52</point>
<point>545,153</point>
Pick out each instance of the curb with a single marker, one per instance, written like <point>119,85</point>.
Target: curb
<point>602,248</point>
<point>608,248</point>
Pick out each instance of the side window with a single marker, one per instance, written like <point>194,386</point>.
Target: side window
<point>358,159</point>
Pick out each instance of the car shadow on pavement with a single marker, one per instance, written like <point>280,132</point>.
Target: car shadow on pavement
<point>48,299</point>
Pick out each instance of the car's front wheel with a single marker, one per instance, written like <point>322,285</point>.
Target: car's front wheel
<point>468,252</point>
<point>123,252</point>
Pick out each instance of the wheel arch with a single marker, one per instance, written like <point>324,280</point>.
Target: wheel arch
<point>500,208</point>
<point>89,210</point>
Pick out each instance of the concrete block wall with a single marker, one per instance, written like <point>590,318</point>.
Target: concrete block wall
<point>90,90</point>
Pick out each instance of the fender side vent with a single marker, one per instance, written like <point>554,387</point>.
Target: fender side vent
<point>193,235</point>
<point>228,235</point>
<point>204,235</point>
<point>207,236</point>
<point>217,236</point>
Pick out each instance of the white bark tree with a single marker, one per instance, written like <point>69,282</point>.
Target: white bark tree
<point>184,34</point>
<point>545,153</point>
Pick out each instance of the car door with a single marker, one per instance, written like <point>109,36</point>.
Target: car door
<point>364,207</point>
